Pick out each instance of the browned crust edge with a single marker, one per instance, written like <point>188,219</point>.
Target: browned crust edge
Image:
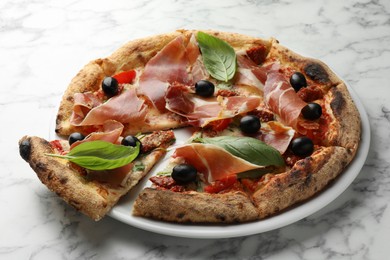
<point>194,207</point>
<point>308,177</point>
<point>91,198</point>
<point>314,69</point>
<point>346,125</point>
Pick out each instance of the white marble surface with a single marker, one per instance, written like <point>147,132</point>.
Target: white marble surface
<point>44,43</point>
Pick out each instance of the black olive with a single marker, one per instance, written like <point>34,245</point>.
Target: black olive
<point>184,173</point>
<point>131,140</point>
<point>204,88</point>
<point>302,146</point>
<point>298,81</point>
<point>74,137</point>
<point>312,111</point>
<point>25,149</point>
<point>110,86</point>
<point>250,124</point>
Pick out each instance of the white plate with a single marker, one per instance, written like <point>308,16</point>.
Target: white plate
<point>122,211</point>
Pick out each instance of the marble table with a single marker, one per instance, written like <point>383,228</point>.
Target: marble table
<point>43,44</point>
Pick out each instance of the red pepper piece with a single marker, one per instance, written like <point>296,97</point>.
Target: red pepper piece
<point>221,185</point>
<point>125,77</point>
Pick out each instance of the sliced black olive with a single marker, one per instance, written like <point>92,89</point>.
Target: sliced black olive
<point>184,173</point>
<point>25,149</point>
<point>204,88</point>
<point>110,86</point>
<point>312,111</point>
<point>302,146</point>
<point>74,137</point>
<point>250,124</point>
<point>298,81</point>
<point>131,140</point>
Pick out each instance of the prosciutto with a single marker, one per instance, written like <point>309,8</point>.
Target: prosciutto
<point>167,66</point>
<point>212,161</point>
<point>248,73</point>
<point>111,132</point>
<point>200,111</point>
<point>125,107</point>
<point>281,98</point>
<point>276,135</point>
<point>83,103</point>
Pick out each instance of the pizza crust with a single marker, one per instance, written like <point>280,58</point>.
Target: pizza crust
<point>345,129</point>
<point>314,69</point>
<point>308,177</point>
<point>194,207</point>
<point>92,198</point>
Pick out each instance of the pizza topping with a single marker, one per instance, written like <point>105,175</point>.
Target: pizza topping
<point>219,58</point>
<point>204,88</point>
<point>250,124</point>
<point>298,81</point>
<point>131,140</point>
<point>125,77</point>
<point>257,54</point>
<point>281,98</point>
<point>223,184</point>
<point>312,111</point>
<point>276,135</point>
<point>83,103</point>
<point>100,155</point>
<point>201,111</point>
<point>110,86</point>
<point>249,73</point>
<point>167,66</point>
<point>310,93</point>
<point>156,139</point>
<point>302,146</point>
<point>212,161</point>
<point>184,173</point>
<point>247,148</point>
<point>75,137</point>
<point>124,108</point>
<point>57,145</point>
<point>263,114</point>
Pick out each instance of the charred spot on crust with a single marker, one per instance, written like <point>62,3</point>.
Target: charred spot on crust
<point>180,215</point>
<point>316,72</point>
<point>25,149</point>
<point>337,103</point>
<point>63,181</point>
<point>221,217</point>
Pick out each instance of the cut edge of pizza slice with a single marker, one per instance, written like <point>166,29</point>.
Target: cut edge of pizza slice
<point>93,193</point>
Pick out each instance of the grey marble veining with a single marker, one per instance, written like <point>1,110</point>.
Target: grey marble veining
<point>43,44</point>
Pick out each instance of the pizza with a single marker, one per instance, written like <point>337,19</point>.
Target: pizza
<point>269,129</point>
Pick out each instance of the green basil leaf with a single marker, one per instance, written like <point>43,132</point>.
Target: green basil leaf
<point>247,148</point>
<point>100,155</point>
<point>219,57</point>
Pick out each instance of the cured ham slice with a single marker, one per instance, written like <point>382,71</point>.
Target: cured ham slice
<point>197,68</point>
<point>167,66</point>
<point>201,111</point>
<point>214,162</point>
<point>281,98</point>
<point>248,73</point>
<point>276,135</point>
<point>83,103</point>
<point>125,107</point>
<point>112,131</point>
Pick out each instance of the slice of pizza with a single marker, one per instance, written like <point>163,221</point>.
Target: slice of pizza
<point>94,172</point>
